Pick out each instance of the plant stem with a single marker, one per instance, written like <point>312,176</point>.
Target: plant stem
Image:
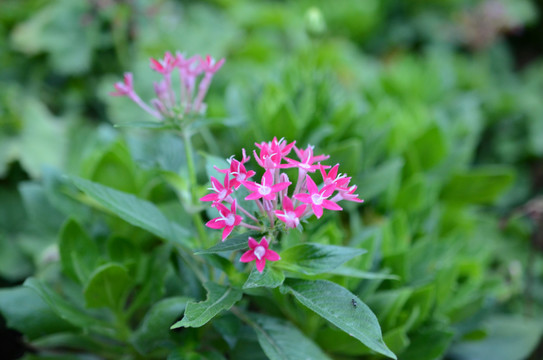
<point>196,218</point>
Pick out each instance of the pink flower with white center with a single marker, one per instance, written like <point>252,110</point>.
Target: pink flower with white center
<point>332,177</point>
<point>266,189</point>
<point>164,66</point>
<point>318,199</point>
<point>124,88</point>
<point>289,215</point>
<point>259,253</point>
<point>271,153</point>
<point>238,171</point>
<point>221,192</point>
<point>307,159</point>
<point>227,219</point>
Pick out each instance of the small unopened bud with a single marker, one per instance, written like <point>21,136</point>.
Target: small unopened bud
<point>314,22</point>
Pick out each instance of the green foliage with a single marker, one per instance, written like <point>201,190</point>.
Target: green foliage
<point>437,124</point>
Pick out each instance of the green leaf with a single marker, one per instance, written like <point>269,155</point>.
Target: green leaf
<point>66,310</point>
<point>135,211</point>
<point>219,298</point>
<point>510,337</point>
<point>238,242</point>
<point>430,344</point>
<point>108,286</point>
<point>154,330</point>
<point>335,304</point>
<point>311,258</point>
<point>426,151</point>
<point>482,185</point>
<point>281,340</point>
<point>359,274</point>
<point>269,277</point>
<point>25,311</point>
<point>143,124</point>
<point>377,180</point>
<point>78,253</point>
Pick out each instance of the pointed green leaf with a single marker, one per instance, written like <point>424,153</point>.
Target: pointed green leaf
<point>270,277</point>
<point>337,305</point>
<point>67,310</point>
<point>135,211</point>
<point>314,258</point>
<point>219,298</point>
<point>78,253</point>
<point>234,243</point>
<point>108,287</point>
<point>154,330</point>
<point>281,340</point>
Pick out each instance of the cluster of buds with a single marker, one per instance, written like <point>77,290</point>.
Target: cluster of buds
<point>193,72</point>
<point>277,209</point>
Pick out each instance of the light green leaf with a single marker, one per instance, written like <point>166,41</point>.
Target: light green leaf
<point>154,330</point>
<point>482,185</point>
<point>78,253</point>
<point>219,298</point>
<point>311,258</point>
<point>359,274</point>
<point>269,277</point>
<point>336,304</point>
<point>238,242</point>
<point>108,286</point>
<point>281,340</point>
<point>135,211</point>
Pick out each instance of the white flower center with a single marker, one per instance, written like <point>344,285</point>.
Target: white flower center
<point>222,194</point>
<point>291,215</point>
<point>230,219</point>
<point>305,166</point>
<point>264,190</point>
<point>240,177</point>
<point>317,199</point>
<point>259,252</point>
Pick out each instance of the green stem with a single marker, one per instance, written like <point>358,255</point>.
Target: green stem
<point>196,218</point>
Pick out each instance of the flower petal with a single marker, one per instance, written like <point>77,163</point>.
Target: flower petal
<point>272,255</point>
<point>260,264</point>
<point>252,243</point>
<point>311,186</point>
<point>327,204</point>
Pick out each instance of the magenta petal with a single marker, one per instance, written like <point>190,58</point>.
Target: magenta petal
<point>260,264</point>
<point>267,178</point>
<point>311,186</point>
<point>300,210</point>
<point>287,203</point>
<point>251,185</point>
<point>253,196</point>
<point>280,186</point>
<point>317,210</point>
<point>209,197</point>
<point>272,255</point>
<point>248,256</point>
<point>252,243</point>
<point>305,198</point>
<point>214,224</point>
<point>227,230</point>
<point>264,242</point>
<point>331,205</point>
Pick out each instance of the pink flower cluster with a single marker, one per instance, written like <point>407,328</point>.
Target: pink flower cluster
<point>275,206</point>
<point>167,104</point>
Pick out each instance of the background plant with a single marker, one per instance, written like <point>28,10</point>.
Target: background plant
<point>441,133</point>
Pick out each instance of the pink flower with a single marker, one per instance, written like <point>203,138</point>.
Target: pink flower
<point>164,66</point>
<point>259,253</point>
<point>124,88</point>
<point>307,159</point>
<point>240,173</point>
<point>227,219</point>
<point>266,189</point>
<point>211,66</point>
<point>318,199</point>
<point>220,191</point>
<point>332,177</point>
<point>289,215</point>
<point>271,153</point>
<point>348,194</point>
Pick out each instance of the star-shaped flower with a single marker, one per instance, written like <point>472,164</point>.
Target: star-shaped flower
<point>259,252</point>
<point>227,219</point>
<point>318,198</point>
<point>289,215</point>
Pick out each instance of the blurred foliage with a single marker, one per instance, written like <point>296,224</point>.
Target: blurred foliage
<point>420,101</point>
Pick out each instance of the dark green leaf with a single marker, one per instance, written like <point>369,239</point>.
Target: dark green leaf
<point>281,340</point>
<point>311,258</point>
<point>269,277</point>
<point>135,211</point>
<point>108,286</point>
<point>238,242</point>
<point>78,253</point>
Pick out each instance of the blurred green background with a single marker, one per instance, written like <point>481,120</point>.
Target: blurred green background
<point>434,107</point>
